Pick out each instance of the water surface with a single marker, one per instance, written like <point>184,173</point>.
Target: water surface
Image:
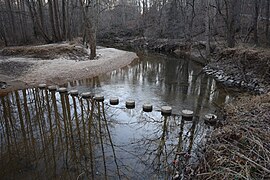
<point>47,135</point>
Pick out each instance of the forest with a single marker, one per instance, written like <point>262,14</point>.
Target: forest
<point>228,22</point>
<point>135,89</point>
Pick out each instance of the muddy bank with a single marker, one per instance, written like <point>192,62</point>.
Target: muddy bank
<point>24,71</point>
<point>143,43</point>
<point>194,51</point>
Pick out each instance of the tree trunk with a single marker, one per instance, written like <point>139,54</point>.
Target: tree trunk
<point>3,31</point>
<point>207,28</point>
<point>11,20</point>
<point>56,19</point>
<point>230,26</point>
<point>22,22</point>
<point>93,48</point>
<point>36,22</point>
<point>70,12</point>
<point>191,22</point>
<point>255,21</point>
<point>64,33</point>
<point>267,21</point>
<point>92,43</point>
<point>40,10</point>
<point>233,13</point>
<point>89,15</point>
<point>51,14</point>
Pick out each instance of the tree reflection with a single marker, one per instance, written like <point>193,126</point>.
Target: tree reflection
<point>167,145</point>
<point>52,134</point>
<point>49,134</point>
<point>46,133</point>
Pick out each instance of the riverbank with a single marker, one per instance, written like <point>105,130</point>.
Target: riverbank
<point>56,64</point>
<point>245,68</point>
<point>239,148</point>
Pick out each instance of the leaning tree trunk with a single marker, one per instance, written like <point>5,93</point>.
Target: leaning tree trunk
<point>37,24</point>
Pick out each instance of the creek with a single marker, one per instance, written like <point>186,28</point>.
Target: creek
<point>48,135</point>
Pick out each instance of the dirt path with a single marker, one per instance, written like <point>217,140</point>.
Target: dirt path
<point>27,72</point>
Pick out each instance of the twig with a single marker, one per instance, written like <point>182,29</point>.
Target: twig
<point>80,175</point>
<point>253,162</point>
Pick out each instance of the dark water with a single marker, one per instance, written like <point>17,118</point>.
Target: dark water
<point>45,135</point>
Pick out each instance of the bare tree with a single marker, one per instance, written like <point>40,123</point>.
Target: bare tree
<point>267,16</point>
<point>89,9</point>
<point>37,21</point>
<point>255,20</point>
<point>207,27</point>
<point>230,14</point>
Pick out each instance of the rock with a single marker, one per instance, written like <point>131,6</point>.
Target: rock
<point>3,85</point>
<point>221,71</point>
<point>226,78</point>
<point>210,119</point>
<point>229,83</point>
<point>237,83</point>
<point>261,90</point>
<point>220,77</point>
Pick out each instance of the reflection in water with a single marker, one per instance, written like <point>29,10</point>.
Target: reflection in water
<point>50,135</point>
<point>161,80</point>
<point>44,134</point>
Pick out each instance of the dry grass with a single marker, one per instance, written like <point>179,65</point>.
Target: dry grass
<point>46,51</point>
<point>241,148</point>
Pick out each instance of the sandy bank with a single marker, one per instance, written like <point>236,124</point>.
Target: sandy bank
<point>19,72</point>
<point>61,70</point>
